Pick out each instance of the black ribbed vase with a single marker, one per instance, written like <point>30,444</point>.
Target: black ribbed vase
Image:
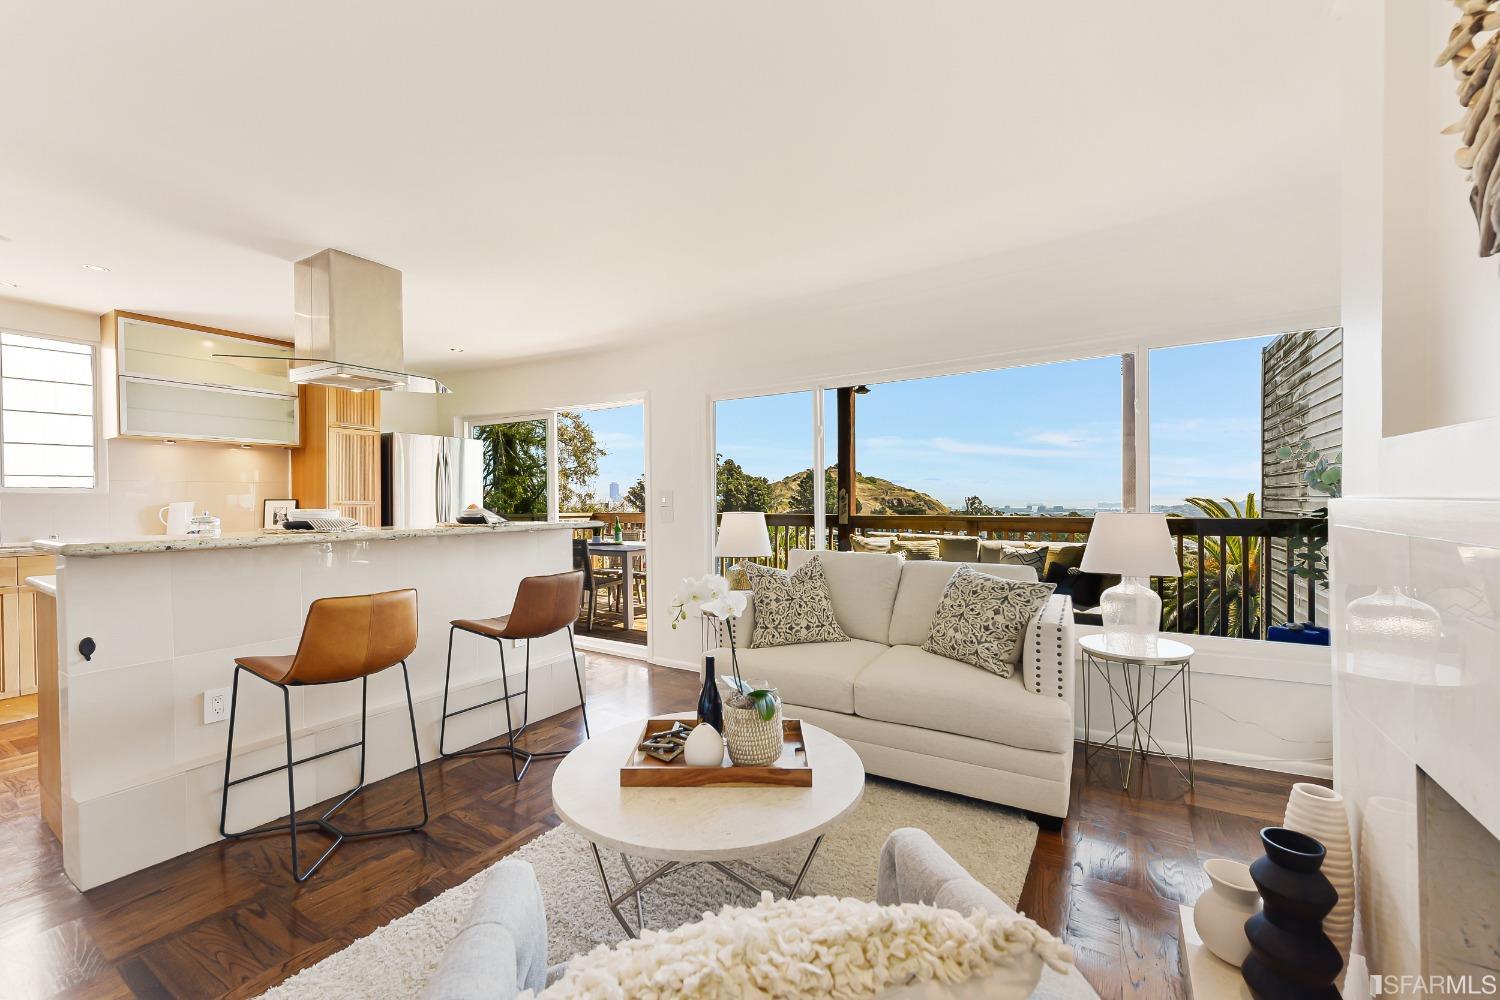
<point>1290,956</point>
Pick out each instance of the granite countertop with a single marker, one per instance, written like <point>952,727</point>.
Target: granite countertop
<point>263,539</point>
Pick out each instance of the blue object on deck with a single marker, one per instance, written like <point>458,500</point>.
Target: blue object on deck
<point>1307,635</point>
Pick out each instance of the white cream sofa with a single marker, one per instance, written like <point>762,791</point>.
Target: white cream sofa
<point>917,717</point>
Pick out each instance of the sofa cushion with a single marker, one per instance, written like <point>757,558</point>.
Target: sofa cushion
<point>951,548</point>
<point>863,586</point>
<point>870,543</point>
<point>815,674</point>
<point>915,688</point>
<point>982,619</point>
<point>792,607</point>
<point>920,591</point>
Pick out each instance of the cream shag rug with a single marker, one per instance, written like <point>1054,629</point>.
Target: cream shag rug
<point>992,842</point>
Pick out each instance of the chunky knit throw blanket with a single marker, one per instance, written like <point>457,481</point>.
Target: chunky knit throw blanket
<point>813,947</point>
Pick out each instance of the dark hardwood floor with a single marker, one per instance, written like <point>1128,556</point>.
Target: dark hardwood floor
<point>227,920</point>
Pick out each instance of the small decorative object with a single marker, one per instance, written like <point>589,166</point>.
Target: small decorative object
<point>710,704</point>
<point>704,747</point>
<point>667,744</point>
<point>1137,546</point>
<point>276,513</point>
<point>1290,956</point>
<point>1221,912</point>
<point>1476,68</point>
<point>204,525</point>
<point>1319,812</point>
<point>752,724</point>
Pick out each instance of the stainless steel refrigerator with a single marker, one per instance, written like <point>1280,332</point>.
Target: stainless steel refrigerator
<point>426,480</point>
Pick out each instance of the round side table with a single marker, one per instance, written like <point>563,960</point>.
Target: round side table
<point>1134,659</point>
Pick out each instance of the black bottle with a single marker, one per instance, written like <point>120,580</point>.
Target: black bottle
<point>710,705</point>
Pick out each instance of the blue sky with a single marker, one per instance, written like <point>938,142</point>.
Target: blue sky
<point>620,429</point>
<point>1040,434</point>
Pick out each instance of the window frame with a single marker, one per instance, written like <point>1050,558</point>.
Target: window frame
<point>99,463</point>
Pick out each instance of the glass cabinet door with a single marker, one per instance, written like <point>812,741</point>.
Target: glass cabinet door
<point>205,413</point>
<point>151,350</point>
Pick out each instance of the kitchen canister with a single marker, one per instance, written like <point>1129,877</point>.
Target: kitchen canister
<point>1319,812</point>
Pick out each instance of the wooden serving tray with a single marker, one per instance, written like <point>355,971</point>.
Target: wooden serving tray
<point>643,771</point>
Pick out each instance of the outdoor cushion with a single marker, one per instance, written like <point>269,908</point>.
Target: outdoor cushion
<point>863,587</point>
<point>921,590</point>
<point>792,607</point>
<point>951,548</point>
<point>1013,554</point>
<point>982,619</point>
<point>916,688</point>
<point>870,543</point>
<point>921,548</point>
<point>815,674</point>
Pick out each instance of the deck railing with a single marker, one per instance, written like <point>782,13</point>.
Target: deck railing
<point>1224,590</point>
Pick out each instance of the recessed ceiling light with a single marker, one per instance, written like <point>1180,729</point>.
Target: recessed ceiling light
<point>7,284</point>
<point>456,350</point>
<point>95,267</point>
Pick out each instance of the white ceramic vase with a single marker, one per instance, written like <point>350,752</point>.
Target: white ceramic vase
<point>1221,912</point>
<point>1319,812</point>
<point>704,747</point>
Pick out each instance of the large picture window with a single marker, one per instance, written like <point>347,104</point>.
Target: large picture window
<point>46,413</point>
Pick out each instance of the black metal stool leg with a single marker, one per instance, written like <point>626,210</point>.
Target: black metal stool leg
<point>447,680</point>
<point>510,735</point>
<point>583,704</point>
<point>324,822</point>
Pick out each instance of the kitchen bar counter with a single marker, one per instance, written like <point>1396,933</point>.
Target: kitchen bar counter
<point>263,539</point>
<point>141,772</point>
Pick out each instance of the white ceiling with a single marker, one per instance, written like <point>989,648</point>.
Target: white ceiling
<point>567,175</point>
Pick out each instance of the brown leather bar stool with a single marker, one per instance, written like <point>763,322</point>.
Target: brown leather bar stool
<point>544,605</point>
<point>343,639</point>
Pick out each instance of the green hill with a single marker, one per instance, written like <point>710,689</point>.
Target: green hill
<point>873,494</point>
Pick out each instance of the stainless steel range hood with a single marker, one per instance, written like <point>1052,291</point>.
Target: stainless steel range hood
<point>348,326</point>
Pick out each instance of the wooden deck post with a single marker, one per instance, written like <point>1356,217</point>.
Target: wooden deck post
<point>845,503</point>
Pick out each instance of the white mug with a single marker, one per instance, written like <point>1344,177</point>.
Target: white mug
<point>176,516</point>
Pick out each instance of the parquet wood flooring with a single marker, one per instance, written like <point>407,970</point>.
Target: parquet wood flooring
<point>227,920</point>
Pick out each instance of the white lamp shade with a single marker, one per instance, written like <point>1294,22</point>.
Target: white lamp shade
<point>742,535</point>
<point>1130,544</point>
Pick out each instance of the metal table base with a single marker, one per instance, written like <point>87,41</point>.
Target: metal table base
<point>615,901</point>
<point>1132,697</point>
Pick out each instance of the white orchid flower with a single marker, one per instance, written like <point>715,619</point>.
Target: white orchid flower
<point>707,595</point>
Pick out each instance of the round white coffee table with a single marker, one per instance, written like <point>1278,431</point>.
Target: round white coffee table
<point>711,825</point>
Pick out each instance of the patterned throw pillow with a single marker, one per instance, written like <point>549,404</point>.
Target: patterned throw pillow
<point>792,608</point>
<point>982,619</point>
<point>916,549</point>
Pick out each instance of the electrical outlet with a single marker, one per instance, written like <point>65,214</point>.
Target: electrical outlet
<point>517,643</point>
<point>215,705</point>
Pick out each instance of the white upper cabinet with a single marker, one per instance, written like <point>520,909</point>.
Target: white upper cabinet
<point>186,383</point>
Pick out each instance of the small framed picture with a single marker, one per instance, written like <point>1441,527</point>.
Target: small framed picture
<point>276,514</point>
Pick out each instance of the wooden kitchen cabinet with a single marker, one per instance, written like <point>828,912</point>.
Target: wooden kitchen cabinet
<point>18,631</point>
<point>338,464</point>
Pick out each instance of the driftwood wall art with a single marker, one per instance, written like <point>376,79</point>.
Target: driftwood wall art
<point>1472,50</point>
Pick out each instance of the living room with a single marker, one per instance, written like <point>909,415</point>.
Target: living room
<point>1067,437</point>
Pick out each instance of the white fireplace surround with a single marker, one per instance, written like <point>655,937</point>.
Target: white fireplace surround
<point>1416,614</point>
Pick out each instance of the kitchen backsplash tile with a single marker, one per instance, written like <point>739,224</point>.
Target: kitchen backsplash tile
<point>144,476</point>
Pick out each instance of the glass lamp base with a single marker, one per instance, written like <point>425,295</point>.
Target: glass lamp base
<point>1131,608</point>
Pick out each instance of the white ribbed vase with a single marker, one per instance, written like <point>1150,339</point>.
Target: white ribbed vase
<point>1319,812</point>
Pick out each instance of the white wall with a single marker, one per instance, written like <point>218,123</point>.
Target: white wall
<point>139,476</point>
<point>1420,412</point>
<point>1224,271</point>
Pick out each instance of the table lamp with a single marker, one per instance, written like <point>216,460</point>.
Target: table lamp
<point>742,535</point>
<point>1136,546</point>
